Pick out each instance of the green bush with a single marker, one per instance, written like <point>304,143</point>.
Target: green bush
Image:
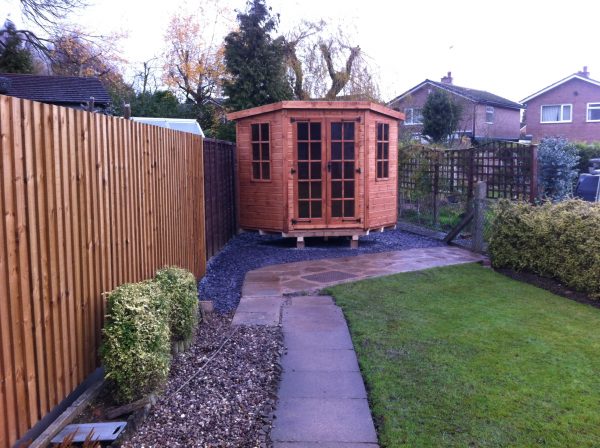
<point>178,287</point>
<point>560,240</point>
<point>136,346</point>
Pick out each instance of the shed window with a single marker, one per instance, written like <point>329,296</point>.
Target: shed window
<point>261,151</point>
<point>556,113</point>
<point>489,115</point>
<point>593,112</point>
<point>383,151</point>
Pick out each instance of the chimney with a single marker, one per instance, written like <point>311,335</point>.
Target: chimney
<point>584,72</point>
<point>447,79</point>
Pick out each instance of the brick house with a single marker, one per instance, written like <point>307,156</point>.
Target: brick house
<point>485,116</point>
<point>569,108</point>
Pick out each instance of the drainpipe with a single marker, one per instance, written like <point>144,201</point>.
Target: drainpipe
<point>474,114</point>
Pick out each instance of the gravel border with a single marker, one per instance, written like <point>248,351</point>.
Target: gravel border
<point>225,272</point>
<point>220,393</point>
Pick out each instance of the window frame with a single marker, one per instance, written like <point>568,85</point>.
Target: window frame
<point>412,116</point>
<point>260,161</point>
<point>562,107</point>
<point>383,160</point>
<point>490,110</point>
<point>587,112</point>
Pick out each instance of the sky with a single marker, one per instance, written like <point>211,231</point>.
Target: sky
<point>511,48</point>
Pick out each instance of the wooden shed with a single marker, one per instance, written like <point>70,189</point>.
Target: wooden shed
<point>317,168</point>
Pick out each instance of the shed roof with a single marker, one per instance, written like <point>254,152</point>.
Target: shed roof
<point>57,89</point>
<point>317,105</point>
<point>178,124</point>
<point>477,96</point>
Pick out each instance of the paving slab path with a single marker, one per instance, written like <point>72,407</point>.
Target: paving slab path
<point>322,401</point>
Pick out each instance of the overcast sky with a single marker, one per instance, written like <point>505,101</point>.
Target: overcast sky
<point>511,47</point>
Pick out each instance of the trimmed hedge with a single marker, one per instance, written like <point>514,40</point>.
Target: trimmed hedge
<point>178,286</point>
<point>136,346</point>
<point>560,240</point>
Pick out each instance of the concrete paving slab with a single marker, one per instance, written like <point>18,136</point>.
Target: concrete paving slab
<point>320,360</point>
<point>311,300</point>
<point>323,445</point>
<point>260,304</point>
<point>322,385</point>
<point>323,420</point>
<point>300,340</point>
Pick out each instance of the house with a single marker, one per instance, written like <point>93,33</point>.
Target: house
<point>68,91</point>
<point>485,116</point>
<point>569,108</point>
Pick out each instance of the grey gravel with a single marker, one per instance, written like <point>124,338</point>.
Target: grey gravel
<point>248,251</point>
<point>230,402</point>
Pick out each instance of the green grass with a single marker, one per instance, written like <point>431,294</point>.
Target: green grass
<point>464,357</point>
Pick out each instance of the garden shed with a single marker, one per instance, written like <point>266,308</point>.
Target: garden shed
<point>317,168</point>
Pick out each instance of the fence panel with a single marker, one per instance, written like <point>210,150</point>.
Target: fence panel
<point>436,185</point>
<point>219,185</point>
<point>87,202</point>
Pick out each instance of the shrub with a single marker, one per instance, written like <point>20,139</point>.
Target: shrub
<point>136,346</point>
<point>587,151</point>
<point>178,287</point>
<point>560,240</point>
<point>557,162</point>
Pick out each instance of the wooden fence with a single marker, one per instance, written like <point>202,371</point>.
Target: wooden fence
<point>87,202</point>
<point>219,189</point>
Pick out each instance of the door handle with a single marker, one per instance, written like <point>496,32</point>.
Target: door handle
<point>329,167</point>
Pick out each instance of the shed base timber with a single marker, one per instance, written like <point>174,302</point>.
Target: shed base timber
<point>301,234</point>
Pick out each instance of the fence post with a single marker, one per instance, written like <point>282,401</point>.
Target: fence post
<point>533,181</point>
<point>436,182</point>
<point>479,205</point>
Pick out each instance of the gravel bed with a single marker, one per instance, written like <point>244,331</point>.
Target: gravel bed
<point>248,251</point>
<point>227,404</point>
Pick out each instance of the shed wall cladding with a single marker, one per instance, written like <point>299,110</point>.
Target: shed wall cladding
<point>261,201</point>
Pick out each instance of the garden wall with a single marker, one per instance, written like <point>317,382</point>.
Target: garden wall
<point>87,203</point>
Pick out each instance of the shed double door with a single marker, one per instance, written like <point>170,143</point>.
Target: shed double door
<point>326,174</point>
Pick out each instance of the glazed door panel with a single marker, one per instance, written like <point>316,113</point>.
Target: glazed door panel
<point>310,174</point>
<point>341,172</point>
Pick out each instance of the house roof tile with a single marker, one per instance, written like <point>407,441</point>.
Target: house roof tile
<point>478,96</point>
<point>57,89</point>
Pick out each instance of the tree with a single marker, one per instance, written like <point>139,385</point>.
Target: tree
<point>255,61</point>
<point>312,55</point>
<point>15,55</point>
<point>194,64</point>
<point>441,116</point>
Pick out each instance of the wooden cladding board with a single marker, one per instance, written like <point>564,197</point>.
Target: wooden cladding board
<point>87,203</point>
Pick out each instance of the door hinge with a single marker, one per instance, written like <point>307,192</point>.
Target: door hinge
<point>294,221</point>
<point>293,171</point>
<point>358,170</point>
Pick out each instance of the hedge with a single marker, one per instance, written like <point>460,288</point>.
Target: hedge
<point>560,241</point>
<point>178,286</point>
<point>136,346</point>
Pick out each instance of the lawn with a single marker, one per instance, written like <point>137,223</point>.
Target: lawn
<point>462,356</point>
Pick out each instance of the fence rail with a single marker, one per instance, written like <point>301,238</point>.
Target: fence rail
<point>87,202</point>
<point>219,188</point>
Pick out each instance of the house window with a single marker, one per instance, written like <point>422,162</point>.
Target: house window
<point>261,152</point>
<point>556,113</point>
<point>489,115</point>
<point>413,116</point>
<point>383,151</point>
<point>593,112</point>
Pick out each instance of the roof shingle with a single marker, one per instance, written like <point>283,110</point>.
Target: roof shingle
<point>57,89</point>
